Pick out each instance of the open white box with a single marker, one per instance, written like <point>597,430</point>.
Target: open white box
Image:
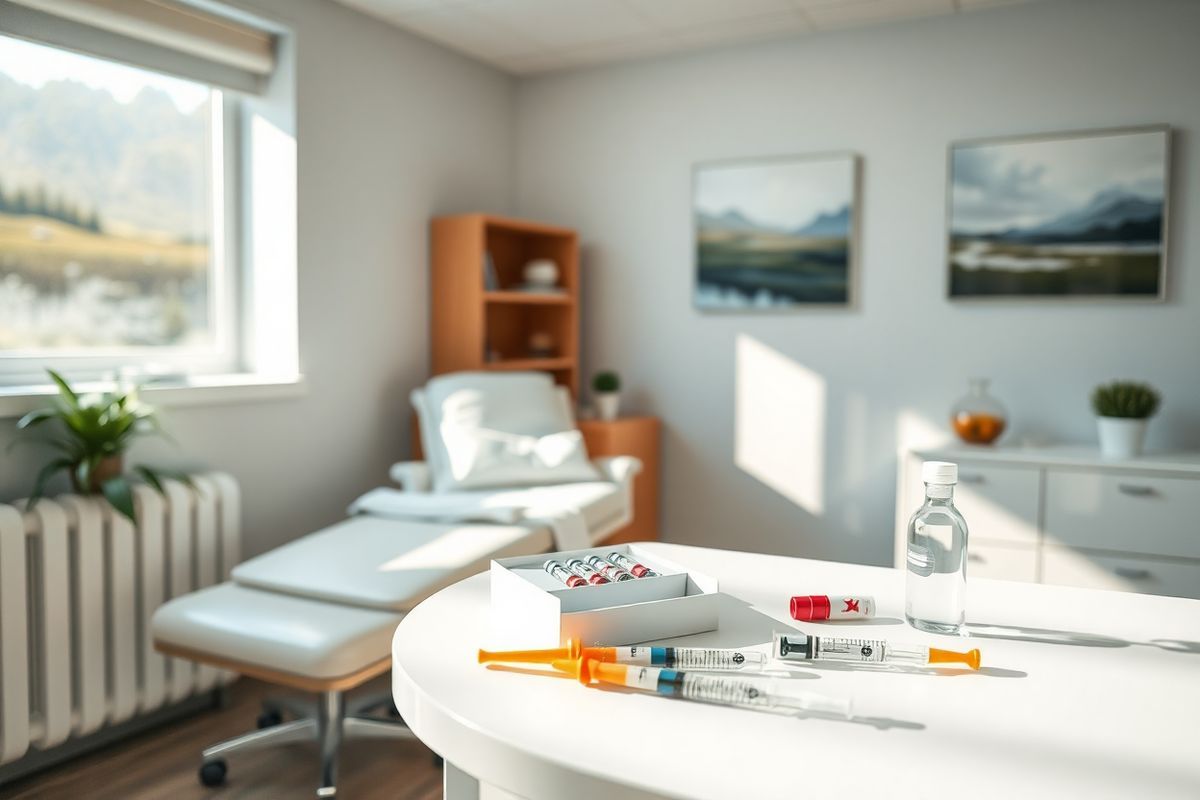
<point>530,608</point>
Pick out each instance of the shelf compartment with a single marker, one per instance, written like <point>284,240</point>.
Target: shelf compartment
<point>528,298</point>
<point>542,364</point>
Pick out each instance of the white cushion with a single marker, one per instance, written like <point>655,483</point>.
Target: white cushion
<point>382,563</point>
<point>302,637</point>
<point>394,564</point>
<point>486,430</point>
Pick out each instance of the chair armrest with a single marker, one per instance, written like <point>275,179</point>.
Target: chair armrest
<point>618,469</point>
<point>413,476</point>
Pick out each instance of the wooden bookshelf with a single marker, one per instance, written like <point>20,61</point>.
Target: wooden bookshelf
<point>468,320</point>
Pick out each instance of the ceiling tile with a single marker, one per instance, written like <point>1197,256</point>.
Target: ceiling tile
<point>462,28</point>
<point>565,24</point>
<point>766,26</point>
<point>625,50</point>
<point>967,5</point>
<point>671,14</point>
<point>866,12</point>
<point>528,36</point>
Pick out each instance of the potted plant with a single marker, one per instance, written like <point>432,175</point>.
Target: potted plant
<point>1122,408</point>
<point>606,390</point>
<point>94,432</point>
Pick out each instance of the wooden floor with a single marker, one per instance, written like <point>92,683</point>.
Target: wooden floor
<point>161,764</point>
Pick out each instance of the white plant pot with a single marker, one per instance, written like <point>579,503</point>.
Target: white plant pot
<point>1121,438</point>
<point>608,405</point>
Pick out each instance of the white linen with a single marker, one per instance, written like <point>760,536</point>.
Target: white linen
<point>488,430</point>
<point>448,507</point>
<point>567,524</point>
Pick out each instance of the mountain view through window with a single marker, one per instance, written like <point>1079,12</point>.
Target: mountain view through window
<point>105,204</point>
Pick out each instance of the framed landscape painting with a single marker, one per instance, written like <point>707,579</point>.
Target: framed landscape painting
<point>1080,215</point>
<point>775,233</point>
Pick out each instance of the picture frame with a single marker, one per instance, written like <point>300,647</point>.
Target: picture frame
<point>1077,216</point>
<point>776,233</point>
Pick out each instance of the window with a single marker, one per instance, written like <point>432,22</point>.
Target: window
<point>110,209</point>
<point>147,199</point>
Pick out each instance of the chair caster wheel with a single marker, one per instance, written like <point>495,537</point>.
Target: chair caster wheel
<point>438,761</point>
<point>268,719</point>
<point>212,773</point>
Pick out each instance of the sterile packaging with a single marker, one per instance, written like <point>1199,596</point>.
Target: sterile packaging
<point>531,608</point>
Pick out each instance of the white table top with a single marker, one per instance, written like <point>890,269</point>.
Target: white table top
<point>1083,694</point>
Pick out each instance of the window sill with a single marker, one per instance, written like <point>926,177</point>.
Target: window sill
<point>194,391</point>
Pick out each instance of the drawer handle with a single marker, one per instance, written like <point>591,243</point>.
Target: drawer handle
<point>1133,573</point>
<point>970,477</point>
<point>976,558</point>
<point>1133,490</point>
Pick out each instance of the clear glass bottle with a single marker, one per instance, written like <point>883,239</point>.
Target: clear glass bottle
<point>936,587</point>
<point>977,417</point>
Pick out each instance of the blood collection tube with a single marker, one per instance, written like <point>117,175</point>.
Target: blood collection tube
<point>795,646</point>
<point>699,658</point>
<point>563,574</point>
<point>754,692</point>
<point>823,606</point>
<point>608,570</point>
<point>587,573</point>
<point>626,563</point>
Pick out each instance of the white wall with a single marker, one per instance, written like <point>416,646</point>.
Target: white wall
<point>392,130</point>
<point>609,151</point>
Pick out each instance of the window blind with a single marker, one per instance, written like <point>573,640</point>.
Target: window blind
<point>168,36</point>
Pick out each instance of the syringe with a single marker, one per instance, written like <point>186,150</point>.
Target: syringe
<point>701,658</point>
<point>796,646</point>
<point>727,690</point>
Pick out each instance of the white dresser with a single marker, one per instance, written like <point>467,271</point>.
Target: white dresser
<point>1063,515</point>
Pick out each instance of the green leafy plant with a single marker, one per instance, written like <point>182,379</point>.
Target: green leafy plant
<point>606,382</point>
<point>92,436</point>
<point>1125,399</point>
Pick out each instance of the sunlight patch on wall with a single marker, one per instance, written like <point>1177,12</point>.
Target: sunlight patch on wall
<point>914,432</point>
<point>779,423</point>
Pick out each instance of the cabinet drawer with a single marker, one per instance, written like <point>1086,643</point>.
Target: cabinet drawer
<point>1007,562</point>
<point>998,503</point>
<point>1127,513</point>
<point>1069,567</point>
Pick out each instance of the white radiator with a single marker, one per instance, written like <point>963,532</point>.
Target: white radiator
<point>78,585</point>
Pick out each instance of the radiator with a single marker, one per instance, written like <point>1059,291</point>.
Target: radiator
<point>78,585</point>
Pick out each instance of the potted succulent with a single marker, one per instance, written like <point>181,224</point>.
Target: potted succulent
<point>1122,409</point>
<point>93,435</point>
<point>606,390</point>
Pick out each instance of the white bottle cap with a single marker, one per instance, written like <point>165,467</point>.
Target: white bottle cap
<point>942,473</point>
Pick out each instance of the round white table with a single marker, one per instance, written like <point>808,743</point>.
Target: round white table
<point>1083,694</point>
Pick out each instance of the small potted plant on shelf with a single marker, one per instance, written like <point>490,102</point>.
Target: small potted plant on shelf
<point>94,432</point>
<point>606,390</point>
<point>1122,409</point>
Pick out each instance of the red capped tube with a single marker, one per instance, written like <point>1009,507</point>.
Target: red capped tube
<point>587,573</point>
<point>817,607</point>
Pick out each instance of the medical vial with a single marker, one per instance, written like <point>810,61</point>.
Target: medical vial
<point>587,573</point>
<point>610,571</point>
<point>935,596</point>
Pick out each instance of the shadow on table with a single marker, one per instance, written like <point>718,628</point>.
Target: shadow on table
<point>1176,645</point>
<point>829,627</point>
<point>1017,633</point>
<point>905,669</point>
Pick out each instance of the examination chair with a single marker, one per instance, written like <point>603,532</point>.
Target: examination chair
<point>317,614</point>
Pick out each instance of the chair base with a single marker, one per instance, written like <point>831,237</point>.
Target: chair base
<point>327,722</point>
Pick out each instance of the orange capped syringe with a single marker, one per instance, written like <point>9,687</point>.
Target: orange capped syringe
<point>755,692</point>
<point>701,658</point>
<point>795,646</point>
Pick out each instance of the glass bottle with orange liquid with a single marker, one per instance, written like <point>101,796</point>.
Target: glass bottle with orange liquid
<point>978,418</point>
